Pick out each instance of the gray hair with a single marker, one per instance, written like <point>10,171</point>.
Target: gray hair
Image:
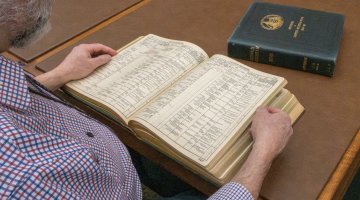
<point>24,19</point>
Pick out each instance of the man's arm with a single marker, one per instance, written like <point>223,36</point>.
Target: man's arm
<point>82,60</point>
<point>271,130</point>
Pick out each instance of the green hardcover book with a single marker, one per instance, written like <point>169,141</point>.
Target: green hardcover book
<point>291,37</point>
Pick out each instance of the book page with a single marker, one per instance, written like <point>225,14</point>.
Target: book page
<point>139,72</point>
<point>200,113</point>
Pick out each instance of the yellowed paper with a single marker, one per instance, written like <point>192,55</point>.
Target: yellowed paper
<point>139,73</point>
<point>200,114</point>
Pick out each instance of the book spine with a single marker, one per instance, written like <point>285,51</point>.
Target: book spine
<point>282,58</point>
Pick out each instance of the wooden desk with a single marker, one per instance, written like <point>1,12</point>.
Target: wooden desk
<point>323,154</point>
<point>68,19</point>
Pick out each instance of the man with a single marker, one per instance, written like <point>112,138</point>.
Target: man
<point>50,150</point>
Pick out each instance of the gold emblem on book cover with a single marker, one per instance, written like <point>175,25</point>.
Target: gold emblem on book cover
<point>271,22</point>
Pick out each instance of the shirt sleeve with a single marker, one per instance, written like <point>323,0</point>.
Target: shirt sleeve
<point>232,190</point>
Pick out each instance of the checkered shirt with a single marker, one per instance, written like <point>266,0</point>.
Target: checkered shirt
<point>51,151</point>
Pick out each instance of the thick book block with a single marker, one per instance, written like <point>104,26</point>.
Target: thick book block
<point>192,107</point>
<point>291,37</point>
<point>321,136</point>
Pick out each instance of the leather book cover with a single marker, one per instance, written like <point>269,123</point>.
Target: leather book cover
<point>291,37</point>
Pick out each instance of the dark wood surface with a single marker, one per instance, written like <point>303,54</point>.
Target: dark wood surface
<point>70,18</point>
<point>323,153</point>
<point>341,178</point>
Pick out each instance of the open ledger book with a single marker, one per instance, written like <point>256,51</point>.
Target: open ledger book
<point>193,108</point>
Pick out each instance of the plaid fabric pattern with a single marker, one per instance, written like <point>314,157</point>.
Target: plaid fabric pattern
<point>232,191</point>
<point>51,151</point>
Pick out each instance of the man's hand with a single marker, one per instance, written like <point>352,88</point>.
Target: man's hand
<point>81,61</point>
<point>271,130</point>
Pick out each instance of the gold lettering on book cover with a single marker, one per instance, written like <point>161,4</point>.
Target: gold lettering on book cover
<point>299,27</point>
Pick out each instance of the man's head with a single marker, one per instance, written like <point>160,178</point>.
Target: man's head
<point>23,21</point>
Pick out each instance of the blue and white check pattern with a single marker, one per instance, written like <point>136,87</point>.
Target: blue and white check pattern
<point>232,191</point>
<point>51,151</point>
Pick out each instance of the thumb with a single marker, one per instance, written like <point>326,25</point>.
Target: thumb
<point>273,110</point>
<point>100,60</point>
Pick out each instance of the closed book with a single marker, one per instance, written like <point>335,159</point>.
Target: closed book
<point>291,37</point>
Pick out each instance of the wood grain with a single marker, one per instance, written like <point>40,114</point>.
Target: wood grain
<point>344,172</point>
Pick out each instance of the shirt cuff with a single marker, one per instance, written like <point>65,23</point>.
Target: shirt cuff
<point>232,190</point>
